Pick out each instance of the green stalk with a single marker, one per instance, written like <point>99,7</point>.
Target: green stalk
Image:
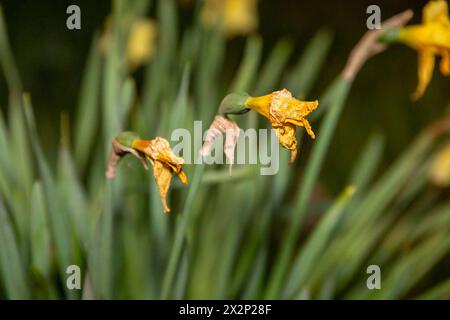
<point>7,61</point>
<point>316,243</point>
<point>312,171</point>
<point>249,65</point>
<point>306,72</point>
<point>273,67</point>
<point>59,222</point>
<point>440,291</point>
<point>180,233</point>
<point>11,266</point>
<point>87,114</point>
<point>159,74</point>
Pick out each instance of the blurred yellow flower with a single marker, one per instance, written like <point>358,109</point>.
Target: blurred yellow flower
<point>284,113</point>
<point>430,39</point>
<point>234,17</point>
<point>440,168</point>
<point>141,42</point>
<point>157,151</point>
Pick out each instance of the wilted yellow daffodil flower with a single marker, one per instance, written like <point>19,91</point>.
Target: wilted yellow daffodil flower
<point>285,113</point>
<point>430,39</point>
<point>157,151</point>
<point>141,42</point>
<point>234,17</point>
<point>440,168</point>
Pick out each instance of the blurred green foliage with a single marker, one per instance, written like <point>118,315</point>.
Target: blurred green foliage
<point>246,236</point>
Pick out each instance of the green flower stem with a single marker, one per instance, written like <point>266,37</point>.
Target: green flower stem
<point>316,243</point>
<point>389,36</point>
<point>126,138</point>
<point>312,171</point>
<point>234,103</point>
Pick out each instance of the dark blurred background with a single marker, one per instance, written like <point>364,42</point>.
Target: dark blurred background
<point>51,60</point>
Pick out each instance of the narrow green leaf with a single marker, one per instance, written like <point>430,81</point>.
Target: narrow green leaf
<point>6,161</point>
<point>247,70</point>
<point>408,271</point>
<point>159,73</point>
<point>13,269</point>
<point>180,233</point>
<point>312,171</point>
<point>316,243</point>
<point>439,292</point>
<point>7,61</point>
<point>255,283</point>
<point>88,106</point>
<point>100,252</point>
<point>178,112</point>
<point>305,72</point>
<point>73,196</point>
<point>273,67</point>
<point>59,221</point>
<point>40,240</point>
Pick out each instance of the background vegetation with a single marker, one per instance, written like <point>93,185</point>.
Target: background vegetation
<point>356,196</point>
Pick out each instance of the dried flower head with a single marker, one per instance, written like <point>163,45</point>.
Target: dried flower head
<point>157,151</point>
<point>285,113</point>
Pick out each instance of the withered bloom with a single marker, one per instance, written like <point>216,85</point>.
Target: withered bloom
<point>219,126</point>
<point>157,151</point>
<point>285,113</point>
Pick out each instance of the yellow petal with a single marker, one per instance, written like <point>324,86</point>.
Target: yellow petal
<point>183,177</point>
<point>165,163</point>
<point>163,176</point>
<point>440,168</point>
<point>296,114</point>
<point>233,17</point>
<point>445,62</point>
<point>241,16</point>
<point>435,11</point>
<point>141,42</point>
<point>140,145</point>
<point>159,149</point>
<point>260,104</point>
<point>285,113</point>
<point>286,137</point>
<point>308,128</point>
<point>425,72</point>
<point>280,107</point>
<point>433,36</point>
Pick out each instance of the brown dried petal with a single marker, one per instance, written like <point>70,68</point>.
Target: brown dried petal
<point>163,176</point>
<point>219,126</point>
<point>117,152</point>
